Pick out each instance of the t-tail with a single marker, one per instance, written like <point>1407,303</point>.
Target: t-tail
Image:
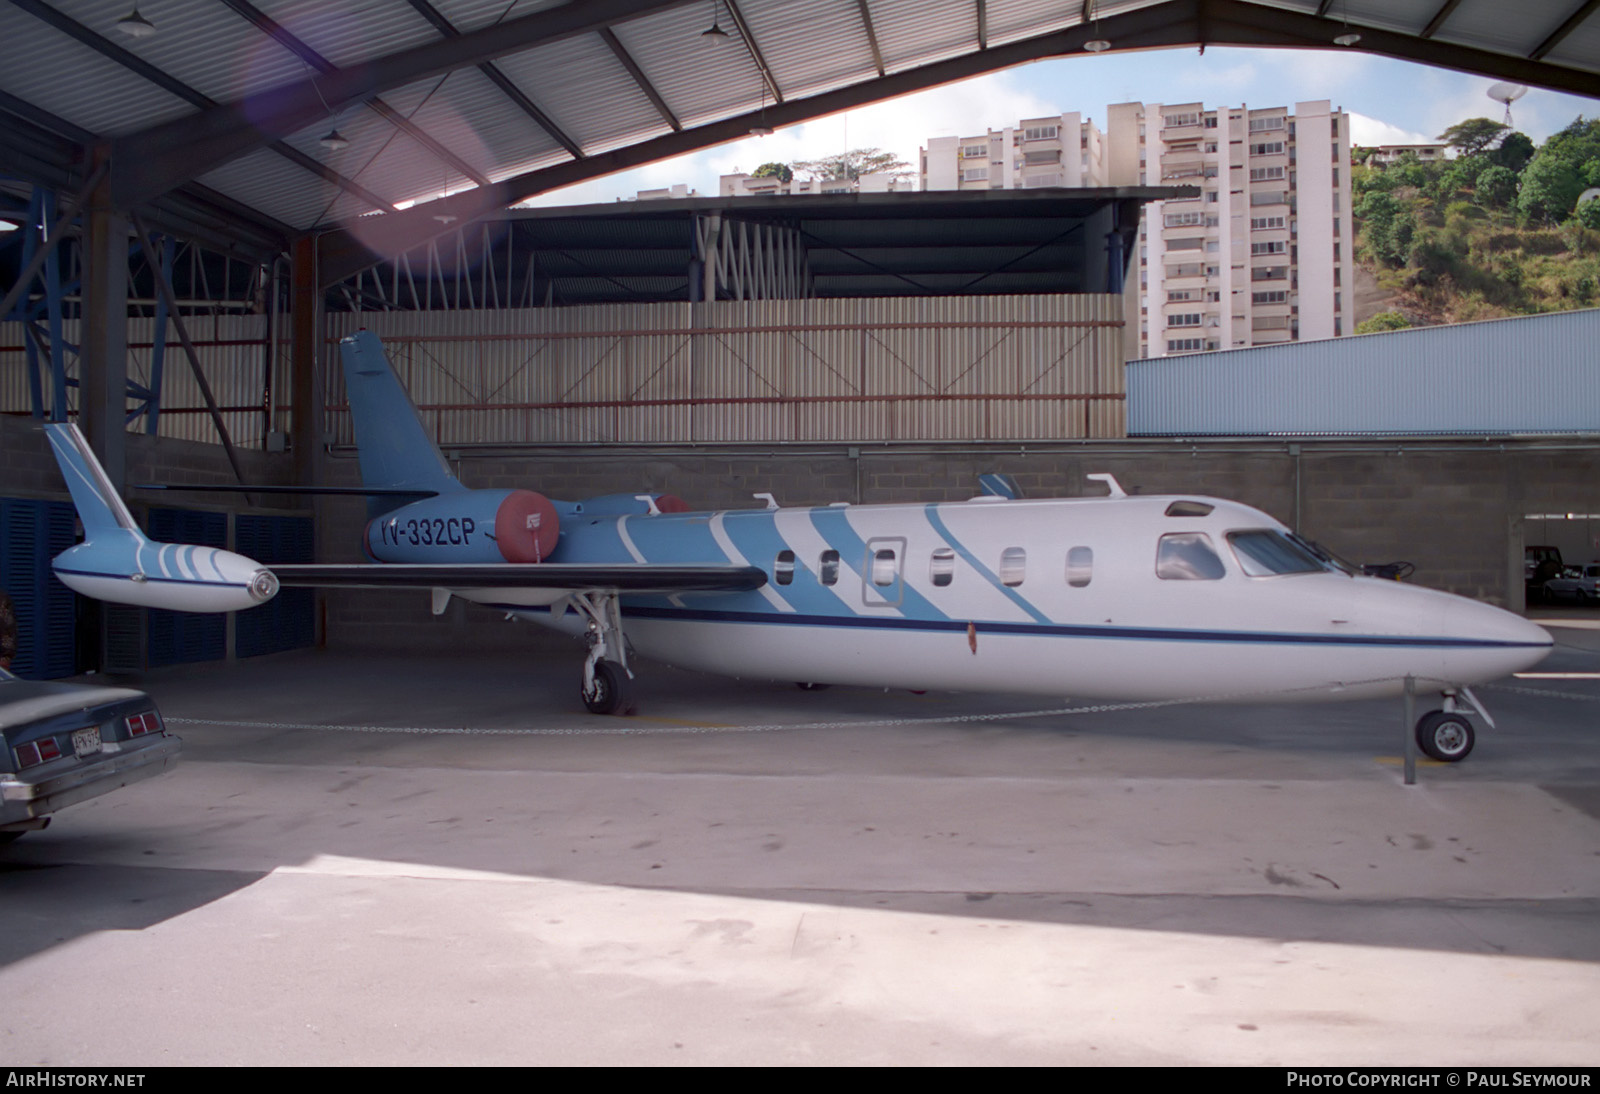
<point>117,562</point>
<point>394,450</point>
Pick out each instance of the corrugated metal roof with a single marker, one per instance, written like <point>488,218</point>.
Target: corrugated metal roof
<point>700,79</point>
<point>347,34</point>
<point>1533,374</point>
<point>586,92</point>
<point>811,46</point>
<point>75,83</point>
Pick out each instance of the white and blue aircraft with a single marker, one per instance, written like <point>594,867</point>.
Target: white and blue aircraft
<point>1117,598</point>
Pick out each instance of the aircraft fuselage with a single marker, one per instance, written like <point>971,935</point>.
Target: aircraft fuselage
<point>1090,597</point>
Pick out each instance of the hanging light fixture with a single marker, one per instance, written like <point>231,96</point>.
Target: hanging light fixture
<point>714,31</point>
<point>761,128</point>
<point>335,141</point>
<point>1096,44</point>
<point>1349,37</point>
<point>135,25</point>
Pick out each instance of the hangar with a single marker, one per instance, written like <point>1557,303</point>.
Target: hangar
<point>278,165</point>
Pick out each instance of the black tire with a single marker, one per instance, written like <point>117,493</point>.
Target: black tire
<point>611,693</point>
<point>9,837</point>
<point>1445,737</point>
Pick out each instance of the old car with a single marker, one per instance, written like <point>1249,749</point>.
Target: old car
<point>1580,583</point>
<point>66,743</point>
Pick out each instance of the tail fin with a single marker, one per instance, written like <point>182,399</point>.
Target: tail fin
<point>99,505</point>
<point>394,449</point>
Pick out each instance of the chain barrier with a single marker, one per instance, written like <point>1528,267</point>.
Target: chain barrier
<point>1579,696</point>
<point>632,727</point>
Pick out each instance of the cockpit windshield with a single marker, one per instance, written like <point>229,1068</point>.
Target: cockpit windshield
<point>1268,553</point>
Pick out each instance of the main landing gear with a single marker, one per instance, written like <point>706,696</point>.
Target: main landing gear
<point>1446,735</point>
<point>607,680</point>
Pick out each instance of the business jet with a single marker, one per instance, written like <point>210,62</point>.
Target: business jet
<point>1116,597</point>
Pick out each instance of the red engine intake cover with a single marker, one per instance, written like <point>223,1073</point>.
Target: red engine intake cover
<point>526,527</point>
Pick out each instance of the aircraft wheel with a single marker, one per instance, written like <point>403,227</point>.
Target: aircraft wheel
<point>610,693</point>
<point>808,685</point>
<point>9,837</point>
<point>1445,737</point>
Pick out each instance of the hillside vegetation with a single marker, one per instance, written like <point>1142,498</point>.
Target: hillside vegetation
<point>1496,231</point>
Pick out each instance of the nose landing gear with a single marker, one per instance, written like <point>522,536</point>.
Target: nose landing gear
<point>1447,735</point>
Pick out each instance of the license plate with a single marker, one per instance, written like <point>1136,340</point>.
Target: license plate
<point>86,742</point>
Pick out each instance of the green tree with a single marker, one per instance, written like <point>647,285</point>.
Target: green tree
<point>1384,320</point>
<point>853,164</point>
<point>1513,153</point>
<point>1556,175</point>
<point>780,171</point>
<point>1497,187</point>
<point>1473,136</point>
<point>1588,214</point>
<point>1550,186</point>
<point>1387,226</point>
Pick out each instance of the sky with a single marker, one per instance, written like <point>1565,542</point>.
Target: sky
<point>1390,102</point>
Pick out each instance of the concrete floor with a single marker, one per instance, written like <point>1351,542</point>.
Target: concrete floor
<point>709,884</point>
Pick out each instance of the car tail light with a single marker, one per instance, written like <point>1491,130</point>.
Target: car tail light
<point>148,722</point>
<point>38,752</point>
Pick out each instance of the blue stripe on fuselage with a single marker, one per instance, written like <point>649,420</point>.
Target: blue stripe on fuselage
<point>834,526</point>
<point>932,510</point>
<point>755,534</point>
<point>1064,630</point>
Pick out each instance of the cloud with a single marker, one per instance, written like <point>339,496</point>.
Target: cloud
<point>1372,131</point>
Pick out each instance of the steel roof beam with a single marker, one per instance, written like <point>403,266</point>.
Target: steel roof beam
<point>502,81</point>
<point>264,23</point>
<point>1439,17</point>
<point>872,35</point>
<point>47,150</point>
<point>182,148</point>
<point>749,40</point>
<point>1573,22</point>
<point>1168,25</point>
<point>138,65</point>
<point>609,37</point>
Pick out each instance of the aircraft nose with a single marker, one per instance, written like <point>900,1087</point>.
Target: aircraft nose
<point>1517,644</point>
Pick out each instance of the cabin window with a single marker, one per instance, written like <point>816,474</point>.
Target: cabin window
<point>828,571</point>
<point>783,569</point>
<point>1187,556</point>
<point>1080,566</point>
<point>942,569</point>
<point>1265,553</point>
<point>1013,566</point>
<point>883,567</point>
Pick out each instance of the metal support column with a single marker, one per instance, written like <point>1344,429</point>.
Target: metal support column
<point>158,348</point>
<point>103,356</point>
<point>305,392</point>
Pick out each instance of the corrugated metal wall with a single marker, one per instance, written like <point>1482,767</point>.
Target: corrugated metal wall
<point>233,353</point>
<point>916,368</point>
<point>1534,374</point>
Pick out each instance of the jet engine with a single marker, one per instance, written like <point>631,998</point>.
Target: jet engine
<point>468,526</point>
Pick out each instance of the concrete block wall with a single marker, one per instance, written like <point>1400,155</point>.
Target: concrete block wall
<point>28,469</point>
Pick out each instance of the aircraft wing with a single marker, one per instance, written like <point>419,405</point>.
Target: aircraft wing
<point>622,577</point>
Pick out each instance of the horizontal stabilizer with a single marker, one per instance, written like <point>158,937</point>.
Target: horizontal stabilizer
<point>234,488</point>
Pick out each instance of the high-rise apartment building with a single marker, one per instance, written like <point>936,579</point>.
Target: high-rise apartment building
<point>1065,150</point>
<point>741,185</point>
<point>1261,254</point>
